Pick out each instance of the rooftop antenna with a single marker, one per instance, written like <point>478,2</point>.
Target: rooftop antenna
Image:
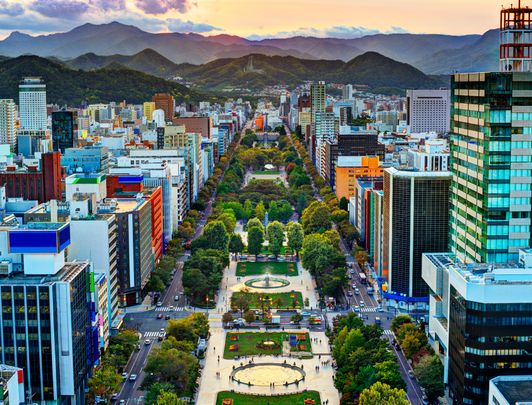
<point>515,50</point>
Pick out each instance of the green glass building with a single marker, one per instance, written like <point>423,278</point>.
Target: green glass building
<point>491,160</point>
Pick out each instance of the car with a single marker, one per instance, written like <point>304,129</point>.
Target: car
<point>171,308</point>
<point>159,316</point>
<point>379,309</point>
<point>350,293</point>
<point>167,317</point>
<point>147,342</point>
<point>377,320</point>
<point>176,298</point>
<point>425,400</point>
<point>161,336</point>
<point>159,304</point>
<point>125,376</point>
<point>260,256</point>
<point>357,291</point>
<point>306,313</point>
<point>362,304</point>
<point>114,397</point>
<point>132,377</point>
<point>122,401</point>
<point>370,291</point>
<point>410,373</point>
<point>138,348</point>
<point>242,257</point>
<point>349,276</point>
<point>354,286</point>
<point>356,308</point>
<point>352,271</point>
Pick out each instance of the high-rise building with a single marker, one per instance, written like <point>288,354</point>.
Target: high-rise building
<point>429,110</point>
<point>148,108</point>
<point>63,130</point>
<point>89,159</point>
<point>491,158</point>
<point>165,102</point>
<point>8,118</point>
<point>415,221</point>
<point>32,104</point>
<point>479,321</point>
<point>45,327</point>
<point>347,92</point>
<point>515,45</point>
<point>348,168</point>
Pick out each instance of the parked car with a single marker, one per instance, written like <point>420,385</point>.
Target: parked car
<point>114,397</point>
<point>125,376</point>
<point>410,373</point>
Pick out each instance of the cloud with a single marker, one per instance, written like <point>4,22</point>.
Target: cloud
<point>65,9</point>
<point>177,25</point>
<point>163,6</point>
<point>109,5</point>
<point>338,31</point>
<point>11,10</point>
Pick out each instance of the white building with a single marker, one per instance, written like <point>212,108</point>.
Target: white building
<point>11,385</point>
<point>433,156</point>
<point>32,102</point>
<point>429,110</point>
<point>8,118</point>
<point>511,390</point>
<point>325,130</point>
<point>347,92</point>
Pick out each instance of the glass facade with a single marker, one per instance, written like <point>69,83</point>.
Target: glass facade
<point>62,130</point>
<point>485,341</point>
<point>491,157</point>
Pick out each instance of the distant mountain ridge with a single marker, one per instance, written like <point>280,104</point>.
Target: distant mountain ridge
<point>434,54</point>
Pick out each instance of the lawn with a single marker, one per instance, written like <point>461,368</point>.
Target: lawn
<point>292,399</point>
<point>287,299</point>
<point>245,343</point>
<point>273,268</point>
<point>269,172</point>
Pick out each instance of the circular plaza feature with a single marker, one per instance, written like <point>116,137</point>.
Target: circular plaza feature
<point>265,374</point>
<point>267,282</point>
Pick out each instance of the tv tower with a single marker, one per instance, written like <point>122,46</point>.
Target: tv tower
<point>516,39</point>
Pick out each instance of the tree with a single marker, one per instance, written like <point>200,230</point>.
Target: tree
<point>248,209</point>
<point>275,231</point>
<point>227,317</point>
<point>429,372</point>
<point>255,222</point>
<point>241,302</point>
<point>361,257</point>
<point>249,316</point>
<point>260,211</point>
<point>229,221</point>
<point>399,321</point>
<point>296,318</point>
<point>343,203</point>
<point>278,302</point>
<point>334,237</point>
<point>339,216</point>
<point>316,218</point>
<point>169,398</point>
<point>255,240</point>
<point>411,344</point>
<point>216,236</point>
<point>235,244</point>
<point>380,393</point>
<point>156,389</point>
<point>104,382</point>
<point>295,234</point>
<point>173,366</point>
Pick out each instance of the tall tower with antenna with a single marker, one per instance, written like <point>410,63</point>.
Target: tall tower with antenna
<point>516,39</point>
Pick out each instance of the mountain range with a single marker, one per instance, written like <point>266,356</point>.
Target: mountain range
<point>73,87</point>
<point>433,54</point>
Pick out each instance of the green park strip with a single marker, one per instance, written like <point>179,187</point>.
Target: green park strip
<point>269,343</point>
<point>286,300</point>
<point>291,399</point>
<point>274,268</point>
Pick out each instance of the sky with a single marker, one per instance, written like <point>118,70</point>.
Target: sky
<point>257,19</point>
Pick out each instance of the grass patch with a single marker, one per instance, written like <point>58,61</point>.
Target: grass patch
<point>290,399</point>
<point>274,268</point>
<point>270,172</point>
<point>247,343</point>
<point>285,250</point>
<point>269,300</point>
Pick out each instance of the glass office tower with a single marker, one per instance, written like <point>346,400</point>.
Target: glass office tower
<point>491,159</point>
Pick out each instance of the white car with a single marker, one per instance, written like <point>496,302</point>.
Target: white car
<point>350,293</point>
<point>356,308</point>
<point>132,377</point>
<point>361,303</point>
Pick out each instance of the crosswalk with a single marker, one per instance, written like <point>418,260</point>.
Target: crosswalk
<point>387,332</point>
<point>148,335</point>
<point>368,309</point>
<point>168,309</point>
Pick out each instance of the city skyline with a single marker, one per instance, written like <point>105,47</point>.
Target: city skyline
<point>336,18</point>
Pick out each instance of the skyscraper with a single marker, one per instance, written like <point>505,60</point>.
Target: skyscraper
<point>415,221</point>
<point>148,109</point>
<point>428,110</point>
<point>8,119</point>
<point>62,130</point>
<point>166,103</point>
<point>491,161</point>
<point>32,102</point>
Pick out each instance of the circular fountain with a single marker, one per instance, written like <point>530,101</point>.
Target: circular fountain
<point>264,374</point>
<point>267,282</point>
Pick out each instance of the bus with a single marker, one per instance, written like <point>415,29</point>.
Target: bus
<point>362,277</point>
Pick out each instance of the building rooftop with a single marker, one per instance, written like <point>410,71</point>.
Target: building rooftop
<point>67,273</point>
<point>84,178</point>
<point>515,389</point>
<point>413,172</point>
